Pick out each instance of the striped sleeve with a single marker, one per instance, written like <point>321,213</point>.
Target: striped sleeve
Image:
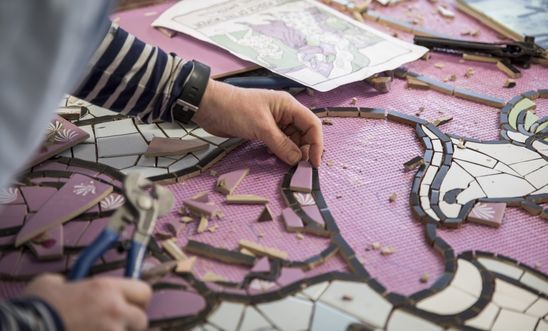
<point>29,314</point>
<point>131,77</point>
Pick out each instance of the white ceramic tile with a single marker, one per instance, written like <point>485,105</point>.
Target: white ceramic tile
<point>432,214</point>
<point>146,171</point>
<point>87,117</point>
<point>484,320</point>
<point>115,128</point>
<point>203,153</point>
<point>508,320</point>
<point>517,136</point>
<point>253,320</point>
<point>543,190</point>
<point>289,313</point>
<point>150,131</point>
<point>450,210</point>
<point>130,144</point>
<point>429,133</point>
<point>512,297</point>
<point>436,159</point>
<point>535,282</point>
<point>403,321</point>
<point>504,185</point>
<point>542,148</point>
<point>539,308</point>
<point>315,291</point>
<point>227,316</point>
<point>172,130</point>
<point>328,319</point>
<point>209,327</point>
<point>366,304</point>
<point>185,162</point>
<point>424,190</point>
<point>165,162</point>
<point>66,153</point>
<point>542,326</point>
<point>476,170</point>
<point>448,301</point>
<point>201,133</point>
<point>100,112</point>
<point>501,267</point>
<point>523,168</point>
<point>467,278</point>
<point>502,167</point>
<point>89,130</point>
<point>539,177</point>
<point>425,202</point>
<point>429,175</point>
<point>456,177</point>
<point>506,152</point>
<point>119,162</point>
<point>474,157</point>
<point>147,161</point>
<point>85,152</point>
<point>437,146</point>
<point>473,191</point>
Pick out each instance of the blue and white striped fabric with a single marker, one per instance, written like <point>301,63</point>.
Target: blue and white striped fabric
<point>128,76</point>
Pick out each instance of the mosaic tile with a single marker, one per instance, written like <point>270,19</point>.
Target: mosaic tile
<point>115,128</point>
<point>487,213</point>
<point>485,319</point>
<point>401,321</point>
<point>539,308</point>
<point>501,267</point>
<point>84,152</point>
<point>79,193</point>
<point>174,303</point>
<point>130,144</point>
<point>508,320</point>
<point>448,301</point>
<point>302,178</point>
<point>536,282</point>
<point>253,320</point>
<point>327,318</point>
<point>227,315</point>
<point>169,146</point>
<point>512,297</point>
<point>149,131</point>
<point>120,162</point>
<point>51,244</point>
<point>289,313</point>
<point>367,305</point>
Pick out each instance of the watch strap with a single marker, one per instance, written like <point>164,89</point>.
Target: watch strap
<point>194,87</point>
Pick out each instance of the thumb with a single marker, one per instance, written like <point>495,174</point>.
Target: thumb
<point>281,145</point>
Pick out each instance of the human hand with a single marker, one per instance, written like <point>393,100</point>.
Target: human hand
<point>97,304</point>
<point>289,129</point>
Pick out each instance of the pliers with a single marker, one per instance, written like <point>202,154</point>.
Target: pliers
<point>145,202</point>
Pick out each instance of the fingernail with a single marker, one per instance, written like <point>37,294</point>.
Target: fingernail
<point>294,156</point>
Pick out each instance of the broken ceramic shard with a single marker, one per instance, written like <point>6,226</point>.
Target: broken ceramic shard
<point>246,199</point>
<point>199,209</point>
<point>292,221</point>
<point>171,146</point>
<point>265,215</point>
<point>227,183</point>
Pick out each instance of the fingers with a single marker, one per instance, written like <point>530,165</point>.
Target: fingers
<point>307,123</point>
<point>136,318</point>
<point>135,291</point>
<point>280,144</point>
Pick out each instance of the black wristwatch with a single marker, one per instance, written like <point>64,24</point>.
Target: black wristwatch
<point>188,103</point>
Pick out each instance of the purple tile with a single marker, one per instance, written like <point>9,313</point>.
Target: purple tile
<point>12,216</point>
<point>29,266</point>
<point>112,201</point>
<point>41,180</point>
<point>72,231</point>
<point>50,165</point>
<point>75,197</point>
<point>314,213</point>
<point>7,240</point>
<point>66,136</point>
<point>262,265</point>
<point>302,178</point>
<point>9,262</point>
<point>10,196</point>
<point>92,231</point>
<point>289,276</point>
<point>94,209</point>
<point>292,221</point>
<point>36,196</point>
<point>51,244</point>
<point>173,303</point>
<point>83,171</point>
<point>200,208</point>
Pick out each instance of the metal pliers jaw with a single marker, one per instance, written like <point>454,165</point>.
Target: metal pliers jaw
<point>145,202</point>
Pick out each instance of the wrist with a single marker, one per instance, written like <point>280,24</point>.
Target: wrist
<point>190,99</point>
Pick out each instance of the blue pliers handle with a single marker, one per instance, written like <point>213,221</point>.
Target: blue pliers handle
<point>105,241</point>
<point>145,202</point>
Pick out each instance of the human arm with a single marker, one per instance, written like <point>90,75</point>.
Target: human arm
<point>136,79</point>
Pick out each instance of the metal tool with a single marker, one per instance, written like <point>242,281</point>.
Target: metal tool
<point>145,202</point>
<point>518,53</point>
